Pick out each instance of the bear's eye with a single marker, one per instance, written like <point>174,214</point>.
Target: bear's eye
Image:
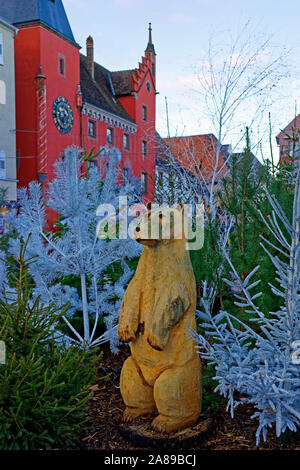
<point>138,229</point>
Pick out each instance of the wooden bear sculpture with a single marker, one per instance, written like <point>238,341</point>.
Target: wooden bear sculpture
<point>163,372</point>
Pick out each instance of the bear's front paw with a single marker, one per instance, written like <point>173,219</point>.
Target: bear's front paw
<point>155,342</point>
<point>126,334</point>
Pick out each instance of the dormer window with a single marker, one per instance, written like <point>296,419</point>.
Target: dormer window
<point>144,113</point>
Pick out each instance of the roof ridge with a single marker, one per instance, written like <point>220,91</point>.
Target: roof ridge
<point>187,136</point>
<point>50,14</point>
<point>95,63</point>
<point>110,103</point>
<point>103,67</point>
<point>126,70</point>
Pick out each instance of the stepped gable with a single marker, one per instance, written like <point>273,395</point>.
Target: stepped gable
<point>127,82</point>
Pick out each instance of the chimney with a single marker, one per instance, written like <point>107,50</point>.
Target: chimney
<point>90,56</point>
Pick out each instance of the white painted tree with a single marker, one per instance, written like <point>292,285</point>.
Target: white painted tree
<point>263,367</point>
<point>174,183</point>
<point>78,251</point>
<point>237,83</point>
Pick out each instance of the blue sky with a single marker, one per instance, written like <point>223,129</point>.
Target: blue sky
<point>181,30</point>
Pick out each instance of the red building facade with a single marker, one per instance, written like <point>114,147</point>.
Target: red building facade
<point>288,141</point>
<point>64,98</point>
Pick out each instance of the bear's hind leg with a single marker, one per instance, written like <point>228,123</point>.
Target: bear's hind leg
<point>177,394</point>
<point>136,393</point>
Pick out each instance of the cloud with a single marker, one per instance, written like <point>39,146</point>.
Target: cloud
<point>182,84</point>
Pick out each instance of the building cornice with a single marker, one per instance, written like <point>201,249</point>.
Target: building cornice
<point>41,24</point>
<point>108,117</point>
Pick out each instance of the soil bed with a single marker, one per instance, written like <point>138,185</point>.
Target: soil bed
<point>106,408</point>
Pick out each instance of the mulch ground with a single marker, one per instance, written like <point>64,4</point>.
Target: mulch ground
<point>106,408</point>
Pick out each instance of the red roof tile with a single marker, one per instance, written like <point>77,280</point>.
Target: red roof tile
<point>197,152</point>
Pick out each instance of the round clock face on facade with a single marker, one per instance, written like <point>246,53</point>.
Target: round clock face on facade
<point>62,115</point>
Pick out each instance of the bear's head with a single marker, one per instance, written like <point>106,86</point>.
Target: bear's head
<point>160,224</point>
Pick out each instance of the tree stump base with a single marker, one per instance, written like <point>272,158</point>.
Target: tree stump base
<point>142,435</point>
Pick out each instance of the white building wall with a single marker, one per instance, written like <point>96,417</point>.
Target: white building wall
<point>7,111</point>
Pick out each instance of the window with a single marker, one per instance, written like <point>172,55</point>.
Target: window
<point>92,129</point>
<point>144,112</point>
<point>1,49</point>
<point>2,164</point>
<point>61,65</point>
<point>18,156</point>
<point>126,174</point>
<point>144,148</point>
<point>144,183</point>
<point>148,86</point>
<point>110,135</point>
<point>126,141</point>
<point>2,92</point>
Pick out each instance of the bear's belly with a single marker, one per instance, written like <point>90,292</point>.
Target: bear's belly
<point>179,350</point>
